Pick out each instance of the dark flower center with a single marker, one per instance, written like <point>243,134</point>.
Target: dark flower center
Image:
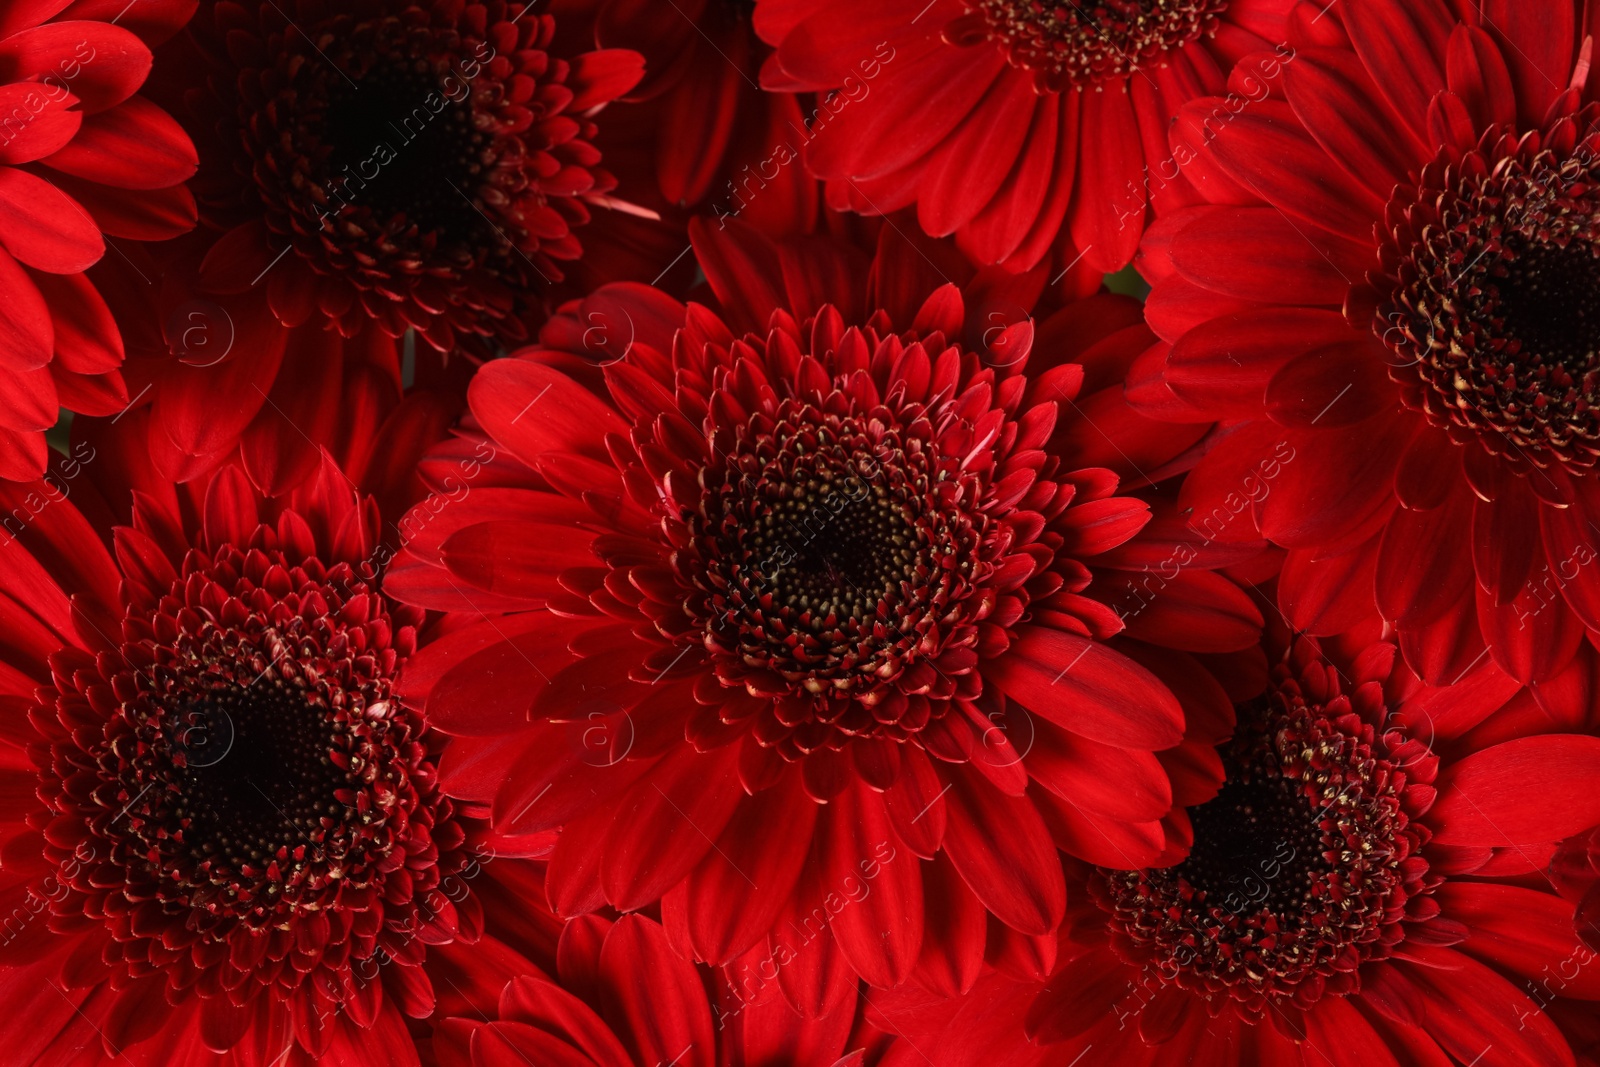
<point>836,547</point>
<point>1494,314</point>
<point>382,133</point>
<point>1253,828</point>
<point>1080,44</point>
<point>402,141</point>
<point>829,556</point>
<point>249,773</point>
<point>1549,297</point>
<point>1298,870</point>
<point>848,532</point>
<point>419,156</point>
<point>256,779</point>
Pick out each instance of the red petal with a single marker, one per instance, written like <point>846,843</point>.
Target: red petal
<point>1004,853</point>
<point>1107,220</point>
<point>765,843</point>
<point>86,337</point>
<point>1524,792</point>
<point>1089,689</point>
<point>654,999</point>
<point>43,227</point>
<point>38,121</point>
<point>1081,995</point>
<point>1472,1009</point>
<point>1267,151</point>
<point>105,64</point>
<point>27,338</point>
<point>667,822</point>
<point>879,925</point>
<point>533,409</point>
<point>1402,46</point>
<point>135,145</point>
<point>1525,931</point>
<point>1538,47</point>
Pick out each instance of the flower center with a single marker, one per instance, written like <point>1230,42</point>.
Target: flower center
<point>253,773</point>
<point>1256,824</point>
<point>834,548</point>
<point>399,145</point>
<point>1296,870</point>
<point>1494,312</point>
<point>248,772</point>
<point>829,556</point>
<point>1082,44</point>
<point>422,158</point>
<point>377,127</point>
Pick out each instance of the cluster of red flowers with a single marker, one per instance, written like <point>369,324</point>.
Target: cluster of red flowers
<point>740,533</point>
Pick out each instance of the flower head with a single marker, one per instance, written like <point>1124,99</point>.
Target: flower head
<point>1028,130</point>
<point>419,165</point>
<point>239,841</point>
<point>797,591</point>
<point>1364,888</point>
<point>1415,322</point>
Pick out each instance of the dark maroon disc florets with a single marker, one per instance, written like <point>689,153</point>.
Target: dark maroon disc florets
<point>1080,45</point>
<point>854,523</point>
<point>1302,867</point>
<point>1492,272</point>
<point>235,794</point>
<point>426,158</point>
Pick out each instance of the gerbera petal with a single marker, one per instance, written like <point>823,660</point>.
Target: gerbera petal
<point>1401,45</point>
<point>1525,931</point>
<point>42,226</point>
<point>647,851</point>
<point>107,64</point>
<point>533,409</point>
<point>1538,50</point>
<point>1004,853</point>
<point>881,930</point>
<point>652,997</point>
<point>1483,798</point>
<point>1268,152</point>
<point>1472,1009</point>
<point>1110,131</point>
<point>1090,690</point>
<point>765,843</point>
<point>134,145</point>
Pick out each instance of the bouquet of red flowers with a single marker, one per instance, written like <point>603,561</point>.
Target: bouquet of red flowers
<point>786,533</point>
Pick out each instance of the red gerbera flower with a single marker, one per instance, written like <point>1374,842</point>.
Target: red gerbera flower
<point>1351,899</point>
<point>82,158</point>
<point>222,831</point>
<point>1020,127</point>
<point>622,996</point>
<point>797,592</point>
<point>425,165</point>
<point>1395,281</point>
